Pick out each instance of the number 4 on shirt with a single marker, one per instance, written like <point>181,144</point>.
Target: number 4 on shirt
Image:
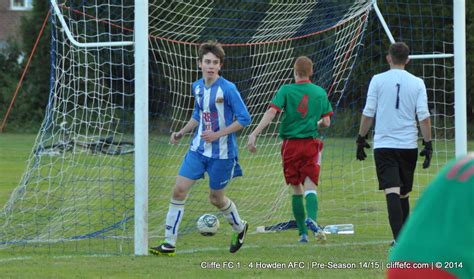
<point>303,106</point>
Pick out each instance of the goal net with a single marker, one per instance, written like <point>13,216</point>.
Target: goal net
<point>77,191</point>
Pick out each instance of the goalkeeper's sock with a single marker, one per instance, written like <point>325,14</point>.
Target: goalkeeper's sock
<point>311,204</point>
<point>232,216</point>
<point>405,203</point>
<point>173,219</point>
<point>298,211</point>
<point>395,214</point>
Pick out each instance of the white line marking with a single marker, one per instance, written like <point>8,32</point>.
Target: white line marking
<point>320,245</point>
<point>14,259</point>
<point>207,249</point>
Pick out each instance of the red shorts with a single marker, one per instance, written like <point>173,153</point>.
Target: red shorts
<point>301,159</point>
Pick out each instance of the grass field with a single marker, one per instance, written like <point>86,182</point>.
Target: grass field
<point>263,255</point>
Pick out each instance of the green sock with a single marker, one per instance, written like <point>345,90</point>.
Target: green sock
<point>298,212</point>
<point>312,206</point>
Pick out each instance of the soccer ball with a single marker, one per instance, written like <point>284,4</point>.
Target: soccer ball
<point>207,224</point>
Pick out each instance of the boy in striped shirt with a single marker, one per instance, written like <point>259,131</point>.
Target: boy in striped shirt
<point>219,112</point>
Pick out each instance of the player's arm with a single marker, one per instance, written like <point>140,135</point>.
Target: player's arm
<point>425,127</point>
<point>210,136</point>
<point>370,108</point>
<point>365,124</point>
<point>423,115</point>
<point>324,122</point>
<point>264,122</point>
<point>241,114</point>
<point>189,127</point>
<point>367,120</point>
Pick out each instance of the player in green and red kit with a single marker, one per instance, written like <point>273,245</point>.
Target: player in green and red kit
<point>440,231</point>
<point>306,109</point>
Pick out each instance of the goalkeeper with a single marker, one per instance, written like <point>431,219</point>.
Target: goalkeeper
<point>396,99</point>
<point>305,109</point>
<point>219,112</point>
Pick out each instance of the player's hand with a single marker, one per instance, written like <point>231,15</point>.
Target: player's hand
<point>209,136</point>
<point>175,137</point>
<point>427,152</point>
<point>251,144</point>
<point>361,144</point>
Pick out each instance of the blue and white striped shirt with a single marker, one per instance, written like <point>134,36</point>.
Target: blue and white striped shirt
<point>215,108</point>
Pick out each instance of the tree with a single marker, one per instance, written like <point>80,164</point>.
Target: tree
<point>9,74</point>
<point>32,99</point>
<point>28,110</point>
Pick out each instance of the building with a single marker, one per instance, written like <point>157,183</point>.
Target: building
<point>11,12</point>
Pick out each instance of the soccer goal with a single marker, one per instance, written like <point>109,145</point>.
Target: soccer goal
<point>119,76</point>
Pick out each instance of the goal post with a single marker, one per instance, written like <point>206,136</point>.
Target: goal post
<point>460,101</point>
<point>459,41</point>
<point>141,114</point>
<point>141,128</point>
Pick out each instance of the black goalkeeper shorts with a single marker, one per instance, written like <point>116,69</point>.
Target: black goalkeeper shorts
<point>396,168</point>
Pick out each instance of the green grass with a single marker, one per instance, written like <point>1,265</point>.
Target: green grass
<point>14,152</point>
<point>67,259</point>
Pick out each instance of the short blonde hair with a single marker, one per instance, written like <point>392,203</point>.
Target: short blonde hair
<point>303,66</point>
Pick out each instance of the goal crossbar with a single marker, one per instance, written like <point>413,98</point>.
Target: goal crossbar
<point>69,35</point>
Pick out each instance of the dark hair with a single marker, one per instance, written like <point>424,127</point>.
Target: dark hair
<point>303,66</point>
<point>399,53</point>
<point>213,47</point>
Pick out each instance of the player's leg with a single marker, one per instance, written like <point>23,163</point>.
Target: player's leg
<point>297,205</point>
<point>174,217</point>
<point>408,159</point>
<point>291,165</point>
<point>228,209</point>
<point>310,169</point>
<point>221,171</point>
<point>394,208</point>
<point>176,208</point>
<point>387,168</point>
<point>191,169</point>
<point>312,209</point>
<point>405,204</point>
<point>311,199</point>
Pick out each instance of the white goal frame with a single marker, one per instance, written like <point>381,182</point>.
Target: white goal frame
<point>141,114</point>
<point>460,98</point>
<point>140,44</point>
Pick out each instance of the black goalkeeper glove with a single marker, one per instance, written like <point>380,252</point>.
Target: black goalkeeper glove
<point>361,144</point>
<point>427,152</point>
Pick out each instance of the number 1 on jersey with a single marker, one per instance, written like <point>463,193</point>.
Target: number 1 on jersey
<point>398,96</point>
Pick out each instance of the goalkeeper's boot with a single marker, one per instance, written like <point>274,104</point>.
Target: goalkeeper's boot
<point>303,238</point>
<point>163,249</point>
<point>317,230</point>
<point>238,238</point>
